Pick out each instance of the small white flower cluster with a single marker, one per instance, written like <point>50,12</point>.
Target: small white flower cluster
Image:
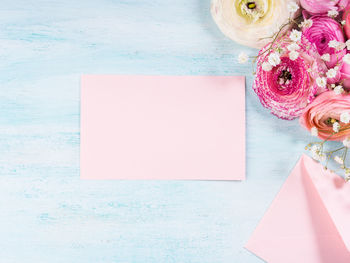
<point>347,174</point>
<point>338,89</point>
<point>345,117</point>
<point>293,51</point>
<point>243,58</point>
<point>307,23</point>
<point>295,35</point>
<point>332,73</point>
<point>317,153</point>
<point>337,45</point>
<point>321,82</point>
<point>339,160</point>
<point>336,126</point>
<point>292,7</point>
<point>333,13</point>
<point>273,60</point>
<point>326,57</point>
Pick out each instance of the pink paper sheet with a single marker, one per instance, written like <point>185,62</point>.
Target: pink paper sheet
<point>309,220</point>
<point>162,127</point>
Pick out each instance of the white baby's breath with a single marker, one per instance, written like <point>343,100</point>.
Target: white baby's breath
<point>333,43</point>
<point>326,57</point>
<point>242,58</point>
<point>332,73</point>
<point>321,82</point>
<point>293,55</point>
<point>316,152</point>
<point>292,7</point>
<point>345,117</point>
<point>274,59</point>
<point>340,46</point>
<point>336,126</point>
<point>336,45</point>
<point>343,22</point>
<point>306,23</point>
<point>338,159</point>
<point>347,174</point>
<point>338,90</point>
<point>295,35</point>
<point>333,13</point>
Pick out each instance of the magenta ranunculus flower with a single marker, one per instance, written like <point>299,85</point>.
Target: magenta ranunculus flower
<point>289,75</point>
<point>323,30</point>
<point>323,6</point>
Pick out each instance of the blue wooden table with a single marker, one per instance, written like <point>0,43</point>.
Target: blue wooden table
<point>47,213</point>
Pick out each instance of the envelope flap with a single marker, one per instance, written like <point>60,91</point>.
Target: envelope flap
<point>297,227</point>
<point>334,193</point>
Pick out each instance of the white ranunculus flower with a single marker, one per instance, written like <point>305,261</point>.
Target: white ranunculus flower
<point>250,22</point>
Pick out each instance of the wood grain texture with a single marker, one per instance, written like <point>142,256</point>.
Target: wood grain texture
<point>47,213</point>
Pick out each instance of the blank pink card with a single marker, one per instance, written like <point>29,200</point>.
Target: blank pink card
<point>162,127</point>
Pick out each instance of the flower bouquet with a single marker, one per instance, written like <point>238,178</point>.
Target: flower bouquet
<point>303,66</point>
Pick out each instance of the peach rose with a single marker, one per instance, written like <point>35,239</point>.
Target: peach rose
<point>323,112</point>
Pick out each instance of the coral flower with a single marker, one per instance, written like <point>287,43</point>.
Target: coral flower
<point>324,112</point>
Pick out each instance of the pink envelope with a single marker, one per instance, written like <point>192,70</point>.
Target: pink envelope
<point>309,221</point>
<point>162,127</point>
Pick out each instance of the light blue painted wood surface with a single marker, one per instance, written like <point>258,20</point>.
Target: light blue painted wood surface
<point>47,213</point>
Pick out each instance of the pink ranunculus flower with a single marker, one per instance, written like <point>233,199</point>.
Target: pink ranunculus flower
<point>287,82</point>
<point>323,30</point>
<point>346,18</point>
<point>323,112</point>
<point>323,6</point>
